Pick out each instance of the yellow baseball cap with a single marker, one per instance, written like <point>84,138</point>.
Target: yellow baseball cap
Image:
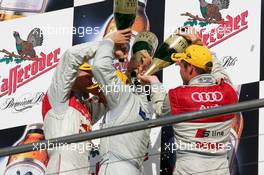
<point>196,55</point>
<point>88,67</point>
<point>85,66</point>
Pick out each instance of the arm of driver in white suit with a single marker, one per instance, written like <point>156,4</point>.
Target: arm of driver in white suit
<point>105,73</point>
<point>66,72</point>
<point>160,100</point>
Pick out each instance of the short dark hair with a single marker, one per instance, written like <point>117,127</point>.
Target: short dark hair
<point>198,70</point>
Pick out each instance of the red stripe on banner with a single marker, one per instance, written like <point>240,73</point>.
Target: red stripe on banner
<point>28,80</point>
<point>229,36</point>
<point>3,94</point>
<point>32,78</point>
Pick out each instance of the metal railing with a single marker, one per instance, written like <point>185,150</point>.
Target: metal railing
<point>240,107</point>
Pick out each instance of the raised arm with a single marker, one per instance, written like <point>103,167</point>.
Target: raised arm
<point>66,71</point>
<point>103,70</point>
<point>160,100</point>
<point>105,73</point>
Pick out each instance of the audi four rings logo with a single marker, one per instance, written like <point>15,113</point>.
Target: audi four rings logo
<point>207,96</point>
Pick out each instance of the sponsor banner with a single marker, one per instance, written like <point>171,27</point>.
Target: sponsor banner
<point>13,9</point>
<point>28,56</point>
<point>231,29</point>
<point>261,131</point>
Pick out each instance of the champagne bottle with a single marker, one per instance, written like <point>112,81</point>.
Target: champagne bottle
<point>141,23</point>
<point>142,45</point>
<point>144,42</point>
<point>125,13</point>
<point>162,58</point>
<point>34,162</point>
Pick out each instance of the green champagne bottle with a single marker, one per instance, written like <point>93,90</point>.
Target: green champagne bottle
<point>125,13</point>
<point>162,58</point>
<point>144,42</point>
<point>141,45</point>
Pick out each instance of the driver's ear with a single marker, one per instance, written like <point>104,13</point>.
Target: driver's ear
<point>191,69</point>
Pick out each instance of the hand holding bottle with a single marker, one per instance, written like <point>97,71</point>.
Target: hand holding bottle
<point>120,36</point>
<point>148,79</point>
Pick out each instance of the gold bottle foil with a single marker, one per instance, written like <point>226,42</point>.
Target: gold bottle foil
<point>125,6</point>
<point>148,37</point>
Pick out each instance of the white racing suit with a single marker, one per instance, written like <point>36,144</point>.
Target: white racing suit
<point>201,145</point>
<point>66,113</point>
<point>121,154</point>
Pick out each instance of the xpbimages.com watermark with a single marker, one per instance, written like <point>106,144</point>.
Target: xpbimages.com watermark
<point>79,147</point>
<point>79,31</point>
<point>197,146</point>
<point>221,30</point>
<point>138,89</point>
